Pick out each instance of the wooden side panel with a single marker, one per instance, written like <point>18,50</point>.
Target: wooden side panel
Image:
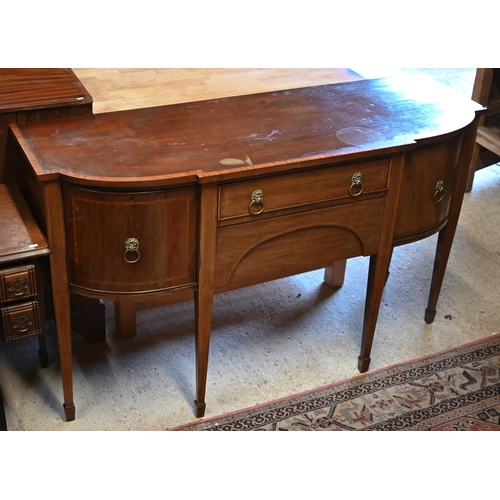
<point>59,112</point>
<point>99,223</point>
<point>275,248</point>
<point>22,174</point>
<point>5,120</point>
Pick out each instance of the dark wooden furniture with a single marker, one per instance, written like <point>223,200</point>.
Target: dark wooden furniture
<point>21,280</point>
<point>33,94</point>
<point>486,91</point>
<point>148,207</point>
<point>22,304</point>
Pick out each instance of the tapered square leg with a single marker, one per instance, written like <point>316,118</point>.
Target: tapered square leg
<point>363,364</point>
<point>377,274</point>
<point>69,412</point>
<point>125,318</point>
<point>335,274</point>
<point>203,312</point>
<point>200,409</point>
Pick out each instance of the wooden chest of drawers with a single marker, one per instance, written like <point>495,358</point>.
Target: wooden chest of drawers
<point>18,302</point>
<point>21,284</point>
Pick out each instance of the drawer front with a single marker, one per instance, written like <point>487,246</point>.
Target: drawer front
<point>131,242</point>
<point>17,283</point>
<point>20,320</point>
<point>426,189</point>
<point>283,246</point>
<point>302,188</point>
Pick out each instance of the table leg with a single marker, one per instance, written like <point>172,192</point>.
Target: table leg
<point>334,275</point>
<point>60,288</point>
<point>443,249</point>
<point>125,318</point>
<point>204,295</point>
<point>42,337</point>
<point>377,273</point>
<point>447,234</point>
<point>63,324</point>
<point>203,313</point>
<point>88,318</point>
<point>3,420</point>
<point>379,265</point>
<point>42,348</point>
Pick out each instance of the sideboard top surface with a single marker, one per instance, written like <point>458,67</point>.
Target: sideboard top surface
<point>223,137</point>
<point>23,89</point>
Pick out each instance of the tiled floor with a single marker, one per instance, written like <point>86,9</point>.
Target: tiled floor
<point>268,341</point>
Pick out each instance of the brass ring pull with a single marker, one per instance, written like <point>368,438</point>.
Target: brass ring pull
<point>256,198</point>
<point>439,191</point>
<point>356,187</point>
<point>132,246</point>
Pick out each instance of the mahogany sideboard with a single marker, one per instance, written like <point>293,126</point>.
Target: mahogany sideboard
<point>151,206</point>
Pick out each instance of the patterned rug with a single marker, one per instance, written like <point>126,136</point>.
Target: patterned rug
<point>454,390</point>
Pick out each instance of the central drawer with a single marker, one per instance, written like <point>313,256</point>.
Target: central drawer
<point>277,247</point>
<point>291,191</point>
<point>131,242</point>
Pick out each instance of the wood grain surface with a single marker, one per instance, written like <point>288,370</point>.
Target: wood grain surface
<point>116,89</point>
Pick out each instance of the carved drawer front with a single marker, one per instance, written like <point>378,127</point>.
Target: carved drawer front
<point>283,246</point>
<point>266,195</point>
<point>20,320</point>
<point>426,189</point>
<point>17,283</point>
<point>131,242</point>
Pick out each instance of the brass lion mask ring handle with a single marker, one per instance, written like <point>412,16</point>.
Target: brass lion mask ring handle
<point>256,201</point>
<point>356,187</point>
<point>131,247</point>
<point>439,191</point>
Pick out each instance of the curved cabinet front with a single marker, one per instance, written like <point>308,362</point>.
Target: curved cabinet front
<point>428,183</point>
<point>130,242</point>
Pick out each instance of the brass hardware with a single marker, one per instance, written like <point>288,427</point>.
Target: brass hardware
<point>439,191</point>
<point>356,187</point>
<point>257,198</point>
<point>132,246</point>
<point>17,287</point>
<point>22,323</point>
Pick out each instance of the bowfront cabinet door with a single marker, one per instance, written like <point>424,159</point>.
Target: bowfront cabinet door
<point>130,242</point>
<point>428,183</point>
